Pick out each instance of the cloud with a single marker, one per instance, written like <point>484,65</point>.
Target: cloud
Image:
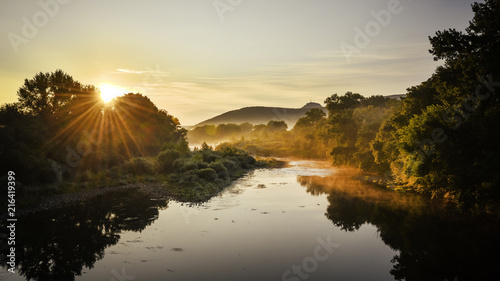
<point>129,71</point>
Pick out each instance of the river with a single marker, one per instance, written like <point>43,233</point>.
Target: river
<point>307,221</point>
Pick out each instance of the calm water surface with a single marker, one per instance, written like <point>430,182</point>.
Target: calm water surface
<point>305,222</point>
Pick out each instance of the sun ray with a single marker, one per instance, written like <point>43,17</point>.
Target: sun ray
<point>85,116</point>
<point>129,132</point>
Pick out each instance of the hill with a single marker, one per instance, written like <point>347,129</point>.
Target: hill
<point>262,115</point>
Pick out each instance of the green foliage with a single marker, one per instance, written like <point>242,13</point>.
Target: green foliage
<point>206,147</point>
<point>443,139</point>
<point>166,160</point>
<point>139,166</point>
<point>185,164</point>
<point>208,174</point>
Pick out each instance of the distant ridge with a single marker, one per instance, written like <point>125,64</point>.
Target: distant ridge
<point>262,115</point>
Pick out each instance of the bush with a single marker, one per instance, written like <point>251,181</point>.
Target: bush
<point>185,164</point>
<point>246,161</point>
<point>166,160</point>
<point>202,165</point>
<point>217,166</point>
<point>210,156</point>
<point>220,169</point>
<point>207,174</point>
<point>227,149</point>
<point>181,146</point>
<point>138,166</point>
<point>230,165</point>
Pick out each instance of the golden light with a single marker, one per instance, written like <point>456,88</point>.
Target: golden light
<point>109,91</point>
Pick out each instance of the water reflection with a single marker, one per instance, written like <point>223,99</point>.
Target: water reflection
<point>254,233</point>
<point>58,244</point>
<point>433,240</point>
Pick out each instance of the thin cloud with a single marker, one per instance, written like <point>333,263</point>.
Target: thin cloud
<point>129,71</point>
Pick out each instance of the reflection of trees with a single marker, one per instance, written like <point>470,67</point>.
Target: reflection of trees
<point>433,241</point>
<point>57,244</point>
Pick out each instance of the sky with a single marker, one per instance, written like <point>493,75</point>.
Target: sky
<point>200,58</point>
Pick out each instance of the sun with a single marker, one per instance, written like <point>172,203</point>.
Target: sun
<point>109,91</point>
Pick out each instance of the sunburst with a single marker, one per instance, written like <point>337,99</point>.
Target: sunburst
<point>109,91</point>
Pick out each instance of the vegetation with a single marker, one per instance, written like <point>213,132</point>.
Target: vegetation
<point>440,140</point>
<point>60,137</point>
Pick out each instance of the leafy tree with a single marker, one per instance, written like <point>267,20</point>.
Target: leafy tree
<point>47,94</point>
<point>277,126</point>
<point>347,101</point>
<point>312,117</point>
<point>444,139</point>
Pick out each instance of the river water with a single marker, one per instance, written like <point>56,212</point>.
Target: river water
<point>307,221</point>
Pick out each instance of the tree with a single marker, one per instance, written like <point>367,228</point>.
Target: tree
<point>47,93</point>
<point>444,140</point>
<point>312,117</point>
<point>277,126</point>
<point>477,51</point>
<point>347,101</point>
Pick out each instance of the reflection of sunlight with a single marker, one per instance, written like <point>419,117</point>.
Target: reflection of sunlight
<point>109,92</point>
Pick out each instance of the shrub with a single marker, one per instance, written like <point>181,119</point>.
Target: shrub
<point>207,174</point>
<point>220,169</point>
<point>181,146</point>
<point>230,165</point>
<point>138,166</point>
<point>166,160</point>
<point>185,164</point>
<point>246,161</point>
<point>210,156</point>
<point>202,165</point>
<point>227,149</point>
<point>217,166</point>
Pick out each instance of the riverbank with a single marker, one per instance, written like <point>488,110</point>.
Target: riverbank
<point>157,188</point>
